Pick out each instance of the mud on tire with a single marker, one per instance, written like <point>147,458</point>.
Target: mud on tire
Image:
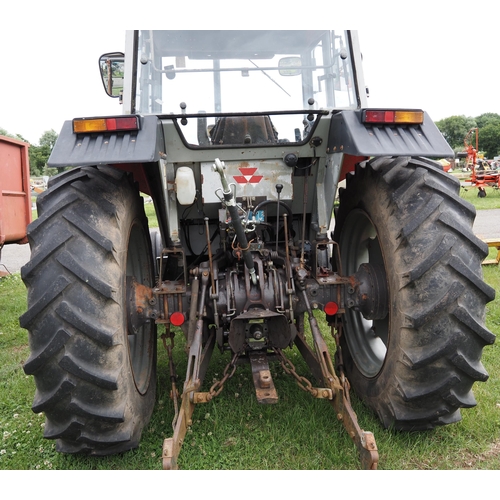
<point>95,378</point>
<point>415,363</point>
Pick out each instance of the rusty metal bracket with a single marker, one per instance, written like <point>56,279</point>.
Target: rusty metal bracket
<point>364,440</point>
<point>199,357</point>
<point>262,379</point>
<point>169,347</point>
<point>321,363</point>
<point>140,304</point>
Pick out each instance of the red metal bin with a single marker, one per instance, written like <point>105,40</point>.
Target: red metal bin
<point>15,195</point>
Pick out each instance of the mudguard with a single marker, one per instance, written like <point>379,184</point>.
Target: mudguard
<point>349,135</point>
<point>138,146</point>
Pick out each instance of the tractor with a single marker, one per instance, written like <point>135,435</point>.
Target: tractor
<point>240,139</point>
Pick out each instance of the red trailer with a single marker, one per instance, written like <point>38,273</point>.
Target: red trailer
<point>15,199</point>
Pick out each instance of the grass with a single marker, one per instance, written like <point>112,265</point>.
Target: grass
<point>469,193</point>
<point>489,202</point>
<point>234,432</point>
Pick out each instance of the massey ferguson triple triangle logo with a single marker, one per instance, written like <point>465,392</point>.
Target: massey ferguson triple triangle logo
<point>247,176</point>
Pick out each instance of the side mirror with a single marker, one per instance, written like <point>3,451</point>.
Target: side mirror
<point>112,72</point>
<point>290,66</point>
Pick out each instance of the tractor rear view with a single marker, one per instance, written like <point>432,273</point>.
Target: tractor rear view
<point>241,138</point>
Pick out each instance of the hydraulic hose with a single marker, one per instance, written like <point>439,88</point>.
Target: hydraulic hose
<point>235,220</point>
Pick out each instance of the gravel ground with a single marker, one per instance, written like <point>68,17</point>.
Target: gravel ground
<point>487,225</point>
<point>13,257</point>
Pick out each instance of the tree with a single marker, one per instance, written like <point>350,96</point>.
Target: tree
<point>489,139</point>
<point>39,155</point>
<point>49,139</point>
<point>455,128</point>
<point>38,160</point>
<point>486,119</point>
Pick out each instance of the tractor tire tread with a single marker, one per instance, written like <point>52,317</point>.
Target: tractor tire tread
<point>74,297</point>
<point>437,277</point>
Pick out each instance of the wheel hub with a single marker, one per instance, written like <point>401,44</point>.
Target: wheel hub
<point>368,295</point>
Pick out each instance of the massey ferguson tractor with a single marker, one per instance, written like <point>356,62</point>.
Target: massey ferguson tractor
<point>241,138</point>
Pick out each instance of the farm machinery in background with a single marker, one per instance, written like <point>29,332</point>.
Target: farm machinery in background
<point>482,175</point>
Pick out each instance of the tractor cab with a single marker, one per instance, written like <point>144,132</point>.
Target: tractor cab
<point>238,87</point>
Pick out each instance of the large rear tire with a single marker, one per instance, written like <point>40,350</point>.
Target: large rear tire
<point>412,352</point>
<point>93,367</point>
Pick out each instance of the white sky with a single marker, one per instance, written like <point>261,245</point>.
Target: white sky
<point>441,59</point>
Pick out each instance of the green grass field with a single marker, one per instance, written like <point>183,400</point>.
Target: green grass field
<point>491,201</point>
<point>234,432</point>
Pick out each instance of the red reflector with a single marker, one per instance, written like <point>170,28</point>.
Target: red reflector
<point>378,116</point>
<point>111,124</point>
<point>331,308</point>
<point>114,124</point>
<point>126,123</point>
<point>177,318</point>
<point>387,116</point>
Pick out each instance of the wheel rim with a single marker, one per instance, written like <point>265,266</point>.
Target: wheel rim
<point>140,342</point>
<point>367,339</point>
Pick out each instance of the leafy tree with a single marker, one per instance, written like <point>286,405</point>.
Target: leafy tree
<point>39,155</point>
<point>38,160</point>
<point>489,139</point>
<point>49,139</point>
<point>486,119</point>
<point>455,128</point>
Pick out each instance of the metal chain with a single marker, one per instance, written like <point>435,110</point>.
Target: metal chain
<point>217,387</point>
<point>290,369</point>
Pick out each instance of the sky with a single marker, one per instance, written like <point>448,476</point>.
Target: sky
<point>426,58</point>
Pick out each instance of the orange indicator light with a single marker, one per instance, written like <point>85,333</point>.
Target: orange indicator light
<point>388,116</point>
<point>115,124</point>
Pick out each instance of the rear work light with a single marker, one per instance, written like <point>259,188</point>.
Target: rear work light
<point>393,116</point>
<point>116,124</point>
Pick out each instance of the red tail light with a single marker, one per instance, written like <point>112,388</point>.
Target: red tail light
<point>393,116</point>
<point>114,124</point>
